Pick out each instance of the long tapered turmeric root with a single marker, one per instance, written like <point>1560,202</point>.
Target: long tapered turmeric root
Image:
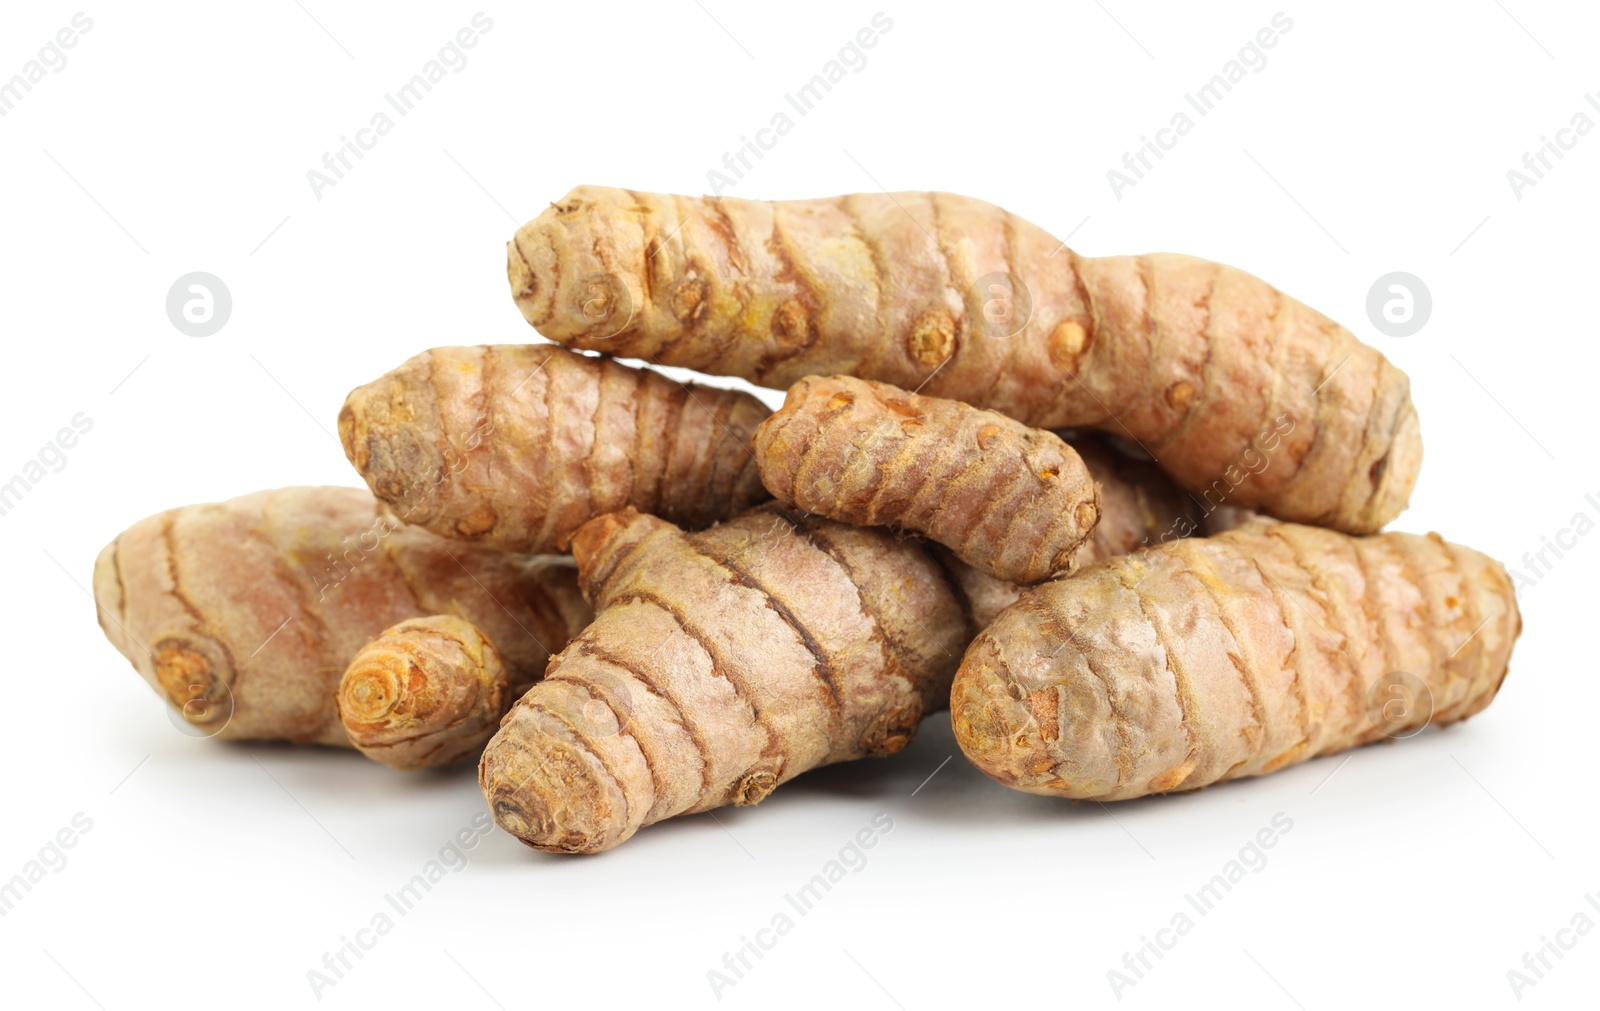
<point>1207,366</point>
<point>514,447</point>
<point>1215,658</point>
<point>427,692</point>
<point>719,665</point>
<point>244,614</point>
<point>1012,501</point>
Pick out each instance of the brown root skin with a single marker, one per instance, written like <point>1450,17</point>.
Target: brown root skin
<point>1140,508</point>
<point>427,692</point>
<point>1238,390</point>
<point>720,665</point>
<point>244,614</point>
<point>1215,658</point>
<point>1012,501</point>
<point>515,446</point>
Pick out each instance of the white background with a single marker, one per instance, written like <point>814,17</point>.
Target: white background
<point>177,138</point>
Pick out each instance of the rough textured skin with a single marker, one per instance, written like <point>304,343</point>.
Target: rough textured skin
<point>516,446</point>
<point>1202,363</point>
<point>244,614</point>
<point>719,665</point>
<point>427,692</point>
<point>1012,501</point>
<point>1215,658</point>
<point>1139,507</point>
<point>986,596</point>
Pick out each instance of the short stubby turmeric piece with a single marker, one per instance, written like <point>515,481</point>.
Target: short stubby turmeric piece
<point>1233,387</point>
<point>719,665</point>
<point>244,614</point>
<point>516,446</point>
<point>1214,658</point>
<point>1013,502</point>
<point>427,692</point>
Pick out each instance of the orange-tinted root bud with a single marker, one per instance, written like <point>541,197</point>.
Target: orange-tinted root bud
<point>427,692</point>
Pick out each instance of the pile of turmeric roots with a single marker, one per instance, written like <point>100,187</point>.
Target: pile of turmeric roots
<point>1120,515</point>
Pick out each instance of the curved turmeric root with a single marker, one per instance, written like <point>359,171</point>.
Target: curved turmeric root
<point>1140,507</point>
<point>427,692</point>
<point>243,614</point>
<point>719,665</point>
<point>1236,655</point>
<point>1205,365</point>
<point>1012,501</point>
<point>516,446</point>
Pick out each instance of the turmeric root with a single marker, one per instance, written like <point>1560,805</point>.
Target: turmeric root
<point>985,596</point>
<point>1236,389</point>
<point>719,665</point>
<point>514,447</point>
<point>1214,658</point>
<point>1012,501</point>
<point>244,614</point>
<point>427,692</point>
<point>1140,507</point>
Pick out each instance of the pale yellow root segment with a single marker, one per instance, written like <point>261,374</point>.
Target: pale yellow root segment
<point>1012,501</point>
<point>1237,390</point>
<point>1214,658</point>
<point>516,446</point>
<point>244,614</point>
<point>719,665</point>
<point>427,692</point>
